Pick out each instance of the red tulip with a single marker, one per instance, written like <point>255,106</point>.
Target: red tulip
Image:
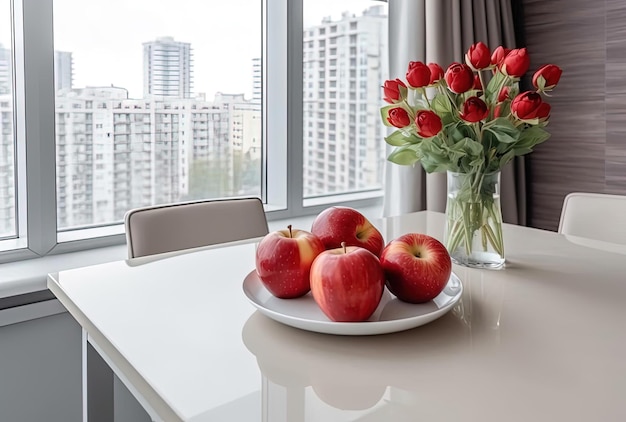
<point>398,117</point>
<point>395,91</point>
<point>418,75</point>
<point>474,110</point>
<point>477,84</point>
<point>516,63</point>
<point>459,78</point>
<point>550,74</point>
<point>498,55</point>
<point>497,110</point>
<point>478,56</point>
<point>428,123</point>
<point>436,73</point>
<point>528,106</point>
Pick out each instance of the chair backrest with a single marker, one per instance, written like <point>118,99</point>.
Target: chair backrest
<point>173,227</point>
<point>594,216</point>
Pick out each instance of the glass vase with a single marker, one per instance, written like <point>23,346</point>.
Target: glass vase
<point>473,234</point>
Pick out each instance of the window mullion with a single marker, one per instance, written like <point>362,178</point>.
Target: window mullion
<point>37,118</point>
<point>295,145</point>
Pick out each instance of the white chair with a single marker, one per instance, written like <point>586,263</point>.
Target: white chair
<point>173,227</point>
<point>595,216</point>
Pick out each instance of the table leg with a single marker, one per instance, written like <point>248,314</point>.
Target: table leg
<point>97,385</point>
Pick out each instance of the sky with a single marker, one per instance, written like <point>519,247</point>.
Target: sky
<point>106,37</point>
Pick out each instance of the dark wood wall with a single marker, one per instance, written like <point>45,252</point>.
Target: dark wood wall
<point>587,149</point>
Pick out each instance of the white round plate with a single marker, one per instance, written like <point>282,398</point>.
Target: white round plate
<point>391,315</point>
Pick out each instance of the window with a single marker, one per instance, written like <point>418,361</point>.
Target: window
<point>108,120</point>
<point>8,220</point>
<point>158,73</point>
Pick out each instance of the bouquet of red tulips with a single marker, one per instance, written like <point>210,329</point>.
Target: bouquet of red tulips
<point>470,119</point>
<point>470,122</point>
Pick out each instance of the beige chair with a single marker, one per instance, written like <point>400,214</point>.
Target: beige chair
<point>174,227</point>
<point>594,216</point>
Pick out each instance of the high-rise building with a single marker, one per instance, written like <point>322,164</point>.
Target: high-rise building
<point>63,71</point>
<point>167,68</point>
<point>344,66</point>
<point>256,80</point>
<point>115,153</point>
<point>6,71</point>
<point>7,145</point>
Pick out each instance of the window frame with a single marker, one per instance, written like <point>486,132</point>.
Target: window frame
<point>34,130</point>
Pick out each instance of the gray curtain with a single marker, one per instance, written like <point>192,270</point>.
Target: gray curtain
<point>441,31</point>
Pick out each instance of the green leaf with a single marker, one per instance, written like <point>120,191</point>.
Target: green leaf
<point>469,147</point>
<point>493,87</point>
<point>401,137</point>
<point>433,155</point>
<point>532,136</point>
<point>503,130</point>
<point>521,151</point>
<point>441,104</point>
<point>404,156</point>
<point>507,157</point>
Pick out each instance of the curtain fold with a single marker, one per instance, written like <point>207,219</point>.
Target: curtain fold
<point>441,31</point>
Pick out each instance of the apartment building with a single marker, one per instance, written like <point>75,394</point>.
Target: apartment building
<point>167,68</point>
<point>343,70</point>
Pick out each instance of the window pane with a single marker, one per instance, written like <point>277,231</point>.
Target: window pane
<point>156,102</point>
<point>344,66</point>
<point>7,134</point>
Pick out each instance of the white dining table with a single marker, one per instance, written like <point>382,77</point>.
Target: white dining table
<point>543,339</point>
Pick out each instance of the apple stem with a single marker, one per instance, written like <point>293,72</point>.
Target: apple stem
<point>343,245</point>
<point>290,233</point>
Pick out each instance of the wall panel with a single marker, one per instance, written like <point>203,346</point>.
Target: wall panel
<point>587,150</point>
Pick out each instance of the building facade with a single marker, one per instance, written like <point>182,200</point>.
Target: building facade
<point>167,68</point>
<point>63,71</point>
<point>116,153</point>
<point>344,67</point>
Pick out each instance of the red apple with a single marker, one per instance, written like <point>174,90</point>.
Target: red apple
<point>417,267</point>
<point>347,283</point>
<point>344,224</point>
<point>283,261</point>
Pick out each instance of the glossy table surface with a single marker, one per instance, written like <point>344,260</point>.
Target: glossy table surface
<point>544,339</point>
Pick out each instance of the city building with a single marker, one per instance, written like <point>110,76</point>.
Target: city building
<point>7,167</point>
<point>257,86</point>
<point>167,68</point>
<point>63,71</point>
<point>115,153</point>
<point>343,71</point>
<point>7,145</point>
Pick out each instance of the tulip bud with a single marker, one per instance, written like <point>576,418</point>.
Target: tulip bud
<point>474,110</point>
<point>418,75</point>
<point>516,63</point>
<point>428,123</point>
<point>547,77</point>
<point>398,117</point>
<point>436,73</point>
<point>477,83</point>
<point>498,55</point>
<point>526,106</point>
<point>478,56</point>
<point>459,78</point>
<point>504,94</point>
<point>395,91</point>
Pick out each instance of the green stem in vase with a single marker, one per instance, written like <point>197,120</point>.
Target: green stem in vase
<point>474,221</point>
